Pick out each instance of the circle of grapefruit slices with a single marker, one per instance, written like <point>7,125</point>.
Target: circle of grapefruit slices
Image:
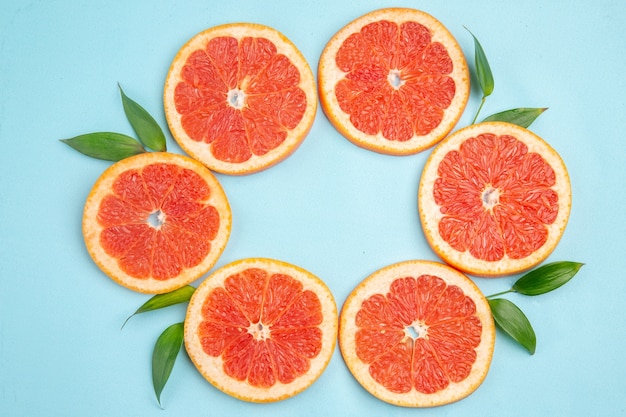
<point>417,334</point>
<point>155,222</point>
<point>261,330</point>
<point>494,199</point>
<point>394,81</point>
<point>239,98</point>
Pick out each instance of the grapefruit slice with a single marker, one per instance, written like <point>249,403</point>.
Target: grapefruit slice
<point>239,98</point>
<point>494,199</point>
<point>394,81</point>
<point>155,222</point>
<point>261,330</point>
<point>417,334</point>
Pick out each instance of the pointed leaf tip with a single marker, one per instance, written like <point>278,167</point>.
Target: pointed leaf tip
<point>483,69</point>
<point>180,295</point>
<point>108,146</point>
<point>514,323</point>
<point>147,129</point>
<point>166,350</point>
<point>547,278</point>
<point>522,116</point>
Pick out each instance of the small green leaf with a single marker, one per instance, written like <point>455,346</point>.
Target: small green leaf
<point>546,278</point>
<point>523,116</point>
<point>164,356</point>
<point>483,70</point>
<point>514,323</point>
<point>158,301</point>
<point>109,146</point>
<point>147,129</point>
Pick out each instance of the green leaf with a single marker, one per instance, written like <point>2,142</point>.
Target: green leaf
<point>523,116</point>
<point>514,323</point>
<point>546,278</point>
<point>164,356</point>
<point>181,295</point>
<point>147,129</point>
<point>483,70</point>
<point>109,146</point>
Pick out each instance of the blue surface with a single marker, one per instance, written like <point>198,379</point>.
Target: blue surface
<point>335,209</point>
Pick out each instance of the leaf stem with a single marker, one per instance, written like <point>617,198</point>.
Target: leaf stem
<point>482,102</point>
<point>500,293</point>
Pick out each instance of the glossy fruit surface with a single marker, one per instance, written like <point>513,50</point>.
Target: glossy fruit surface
<point>417,334</point>
<point>156,221</point>
<point>494,199</point>
<point>239,98</point>
<point>393,81</point>
<point>261,330</point>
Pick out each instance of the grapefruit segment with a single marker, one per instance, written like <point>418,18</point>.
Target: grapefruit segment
<point>156,221</point>
<point>393,81</point>
<point>261,330</point>
<point>494,199</point>
<point>239,98</point>
<point>417,334</point>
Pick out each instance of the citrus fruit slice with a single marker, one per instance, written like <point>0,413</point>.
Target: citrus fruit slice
<point>494,199</point>
<point>394,81</point>
<point>417,334</point>
<point>239,98</point>
<point>261,330</point>
<point>156,221</point>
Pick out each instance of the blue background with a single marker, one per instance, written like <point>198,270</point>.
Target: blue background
<point>335,209</point>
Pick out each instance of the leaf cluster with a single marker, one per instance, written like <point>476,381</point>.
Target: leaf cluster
<point>169,343</point>
<point>544,279</point>
<point>111,146</point>
<point>521,116</point>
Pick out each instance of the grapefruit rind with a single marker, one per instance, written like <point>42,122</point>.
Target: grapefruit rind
<point>379,283</point>
<point>329,74</point>
<point>109,265</point>
<point>430,214</point>
<point>201,150</point>
<point>212,367</point>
